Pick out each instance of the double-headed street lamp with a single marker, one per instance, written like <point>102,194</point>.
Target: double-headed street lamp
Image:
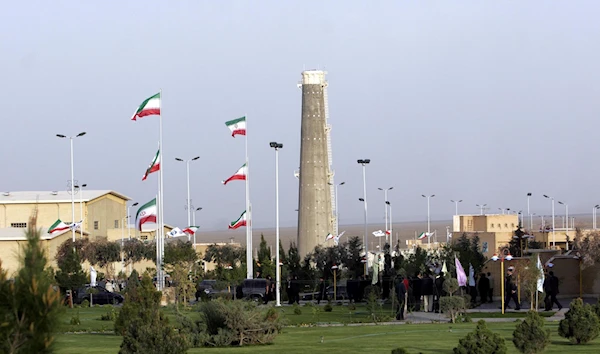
<point>553,232</point>
<point>529,213</point>
<point>364,163</point>
<point>428,217</point>
<point>391,225</point>
<point>194,215</point>
<point>566,217</point>
<point>337,207</point>
<point>385,198</point>
<point>456,205</point>
<point>277,146</point>
<point>481,207</point>
<point>189,201</point>
<point>129,216</point>
<point>80,188</point>
<point>72,178</point>
<point>502,257</point>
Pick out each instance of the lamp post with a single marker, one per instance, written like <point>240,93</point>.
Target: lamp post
<point>129,217</point>
<point>391,225</point>
<point>428,218</point>
<point>481,207</point>
<point>337,208</point>
<point>72,178</point>
<point>385,190</point>
<point>553,232</point>
<point>456,205</point>
<point>364,163</point>
<point>334,268</point>
<point>502,257</point>
<point>594,213</point>
<point>81,187</point>
<point>277,146</point>
<point>529,213</point>
<point>567,224</point>
<point>122,237</point>
<point>189,202</point>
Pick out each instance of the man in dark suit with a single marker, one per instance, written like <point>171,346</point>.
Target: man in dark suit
<point>510,289</point>
<point>551,288</point>
<point>401,295</point>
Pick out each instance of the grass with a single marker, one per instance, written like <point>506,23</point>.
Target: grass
<point>507,314</point>
<point>417,338</point>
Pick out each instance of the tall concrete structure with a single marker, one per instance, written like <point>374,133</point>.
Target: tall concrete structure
<point>316,203</point>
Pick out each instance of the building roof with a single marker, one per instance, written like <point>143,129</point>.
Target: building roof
<point>18,234</point>
<point>28,197</point>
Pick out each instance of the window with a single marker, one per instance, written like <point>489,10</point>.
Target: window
<point>492,226</point>
<point>499,226</point>
<point>144,237</point>
<point>484,247</point>
<point>18,224</point>
<point>116,224</point>
<point>506,225</point>
<point>95,225</point>
<point>513,225</point>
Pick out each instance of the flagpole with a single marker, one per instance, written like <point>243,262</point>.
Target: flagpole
<point>249,260</point>
<point>162,195</point>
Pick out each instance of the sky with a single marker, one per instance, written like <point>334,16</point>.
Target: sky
<point>471,100</point>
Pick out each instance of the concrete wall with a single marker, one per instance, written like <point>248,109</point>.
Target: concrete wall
<point>486,223</point>
<point>48,213</point>
<point>105,210</point>
<point>314,207</point>
<point>10,252</point>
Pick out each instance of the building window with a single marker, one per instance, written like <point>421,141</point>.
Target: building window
<point>144,237</point>
<point>484,247</point>
<point>116,224</point>
<point>506,225</point>
<point>18,224</point>
<point>512,225</point>
<point>499,226</point>
<point>95,225</point>
<point>492,226</point>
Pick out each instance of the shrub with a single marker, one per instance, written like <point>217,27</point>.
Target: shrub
<point>481,341</point>
<point>452,306</point>
<point>110,315</point>
<point>581,324</point>
<point>597,308</point>
<point>328,307</point>
<point>399,351</point>
<point>75,321</point>
<point>297,310</point>
<point>451,286</point>
<point>351,307</point>
<point>530,337</point>
<point>85,303</point>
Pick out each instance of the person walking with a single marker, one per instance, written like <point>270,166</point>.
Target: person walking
<point>427,292</point>
<point>510,289</point>
<point>551,289</point>
<point>322,291</point>
<point>491,290</point>
<point>401,295</point>
<point>484,288</point>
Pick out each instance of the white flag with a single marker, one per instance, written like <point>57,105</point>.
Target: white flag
<point>378,233</point>
<point>176,232</point>
<point>328,237</point>
<point>336,240</point>
<point>540,282</point>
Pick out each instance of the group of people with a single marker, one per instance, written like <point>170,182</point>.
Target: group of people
<point>409,291</point>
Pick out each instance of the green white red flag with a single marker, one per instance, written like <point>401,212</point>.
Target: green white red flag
<point>239,175</point>
<point>154,166</point>
<point>150,106</point>
<point>237,126</point>
<point>191,230</point>
<point>146,214</point>
<point>58,228</point>
<point>241,221</point>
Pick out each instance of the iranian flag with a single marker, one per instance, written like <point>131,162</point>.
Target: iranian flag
<point>150,106</point>
<point>241,221</point>
<point>237,126</point>
<point>146,213</point>
<point>425,235</point>
<point>58,228</point>
<point>240,175</point>
<point>154,166</point>
<point>191,230</point>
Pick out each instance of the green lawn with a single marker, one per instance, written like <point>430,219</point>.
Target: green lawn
<point>426,338</point>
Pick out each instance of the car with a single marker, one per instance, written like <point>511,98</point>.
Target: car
<point>205,286</point>
<point>341,293</point>
<point>100,296</point>
<point>254,289</point>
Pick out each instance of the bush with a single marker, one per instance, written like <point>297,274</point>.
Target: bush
<point>75,321</point>
<point>351,307</point>
<point>110,315</point>
<point>530,337</point>
<point>297,310</point>
<point>481,341</point>
<point>452,306</point>
<point>399,351</point>
<point>328,307</point>
<point>581,324</point>
<point>85,303</point>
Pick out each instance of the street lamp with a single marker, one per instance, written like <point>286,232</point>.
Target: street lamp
<point>277,146</point>
<point>566,217</point>
<point>194,215</point>
<point>337,207</point>
<point>81,187</point>
<point>553,232</point>
<point>456,205</point>
<point>334,268</point>
<point>189,202</point>
<point>391,225</point>
<point>481,207</point>
<point>529,213</point>
<point>364,163</point>
<point>72,178</point>
<point>502,257</point>
<point>129,213</point>
<point>428,217</point>
<point>122,236</point>
<point>385,198</point>
<point>594,213</point>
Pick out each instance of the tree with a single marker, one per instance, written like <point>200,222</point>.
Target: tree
<point>70,275</point>
<point>518,242</point>
<point>29,305</point>
<point>266,267</point>
<point>179,259</point>
<point>104,254</point>
<point>481,341</point>
<point>144,327</point>
<point>528,275</point>
<point>588,247</point>
<point>227,258</point>
<point>530,336</point>
<point>66,248</point>
<point>581,325</point>
<point>293,260</point>
<point>134,251</point>
<point>353,259</point>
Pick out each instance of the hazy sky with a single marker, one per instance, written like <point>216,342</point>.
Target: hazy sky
<point>476,100</point>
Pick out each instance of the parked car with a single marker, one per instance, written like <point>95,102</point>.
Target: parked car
<point>101,296</point>
<point>341,293</point>
<point>254,289</point>
<point>205,286</point>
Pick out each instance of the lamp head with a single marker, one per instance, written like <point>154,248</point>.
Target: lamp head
<point>529,194</point>
<point>61,136</point>
<point>178,159</point>
<point>341,184</point>
<point>199,208</point>
<point>508,257</point>
<point>361,199</point>
<point>195,158</point>
<point>545,196</point>
<point>388,203</point>
<point>495,257</point>
<point>273,144</point>
<point>80,134</point>
<point>83,185</point>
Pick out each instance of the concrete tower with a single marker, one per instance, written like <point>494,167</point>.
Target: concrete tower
<point>315,204</point>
